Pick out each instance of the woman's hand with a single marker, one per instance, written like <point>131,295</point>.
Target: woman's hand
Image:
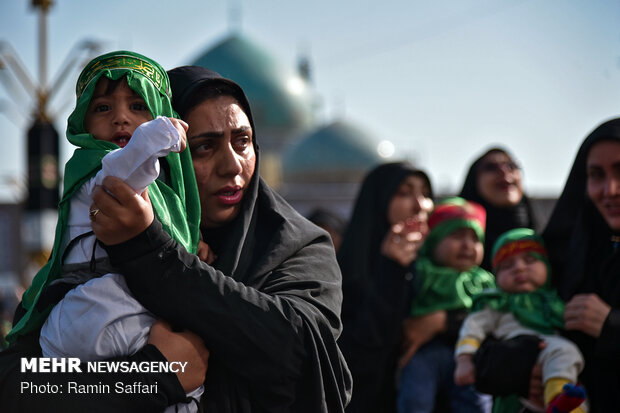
<point>420,330</point>
<point>586,313</point>
<point>184,347</point>
<point>119,213</point>
<point>205,253</point>
<point>403,240</point>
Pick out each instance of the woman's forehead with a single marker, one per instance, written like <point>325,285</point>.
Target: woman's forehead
<point>604,152</point>
<point>216,104</point>
<point>496,157</point>
<point>415,182</point>
<point>220,112</point>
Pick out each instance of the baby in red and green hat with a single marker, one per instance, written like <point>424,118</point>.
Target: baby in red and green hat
<point>524,304</point>
<point>447,276</point>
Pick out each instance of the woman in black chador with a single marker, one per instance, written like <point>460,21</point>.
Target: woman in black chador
<point>583,238</point>
<point>388,224</point>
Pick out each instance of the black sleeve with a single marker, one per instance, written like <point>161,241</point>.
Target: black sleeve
<point>496,357</point>
<point>607,343</point>
<point>257,332</point>
<point>59,392</point>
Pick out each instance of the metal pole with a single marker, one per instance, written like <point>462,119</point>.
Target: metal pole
<point>43,47</point>
<point>43,92</point>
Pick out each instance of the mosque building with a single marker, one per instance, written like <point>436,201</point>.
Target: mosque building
<point>325,168</point>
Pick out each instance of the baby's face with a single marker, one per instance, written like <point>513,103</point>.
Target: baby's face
<point>114,115</point>
<point>521,273</point>
<point>460,250</point>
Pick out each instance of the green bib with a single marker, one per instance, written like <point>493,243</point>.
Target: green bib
<point>541,310</point>
<point>443,288</point>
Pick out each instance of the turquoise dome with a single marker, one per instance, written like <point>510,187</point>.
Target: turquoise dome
<point>282,102</point>
<point>338,152</point>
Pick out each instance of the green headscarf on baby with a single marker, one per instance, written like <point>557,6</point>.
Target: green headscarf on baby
<point>176,203</point>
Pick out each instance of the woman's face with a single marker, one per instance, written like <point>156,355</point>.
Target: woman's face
<point>603,184</point>
<point>499,180</point>
<point>220,139</point>
<point>410,201</point>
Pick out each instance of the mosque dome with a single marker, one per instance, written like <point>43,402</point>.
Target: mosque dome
<point>282,101</point>
<point>339,152</point>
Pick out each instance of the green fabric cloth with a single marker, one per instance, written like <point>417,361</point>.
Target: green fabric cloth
<point>176,204</point>
<point>541,310</point>
<point>444,288</point>
<point>507,404</point>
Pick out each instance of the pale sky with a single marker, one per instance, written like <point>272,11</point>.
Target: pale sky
<point>443,80</point>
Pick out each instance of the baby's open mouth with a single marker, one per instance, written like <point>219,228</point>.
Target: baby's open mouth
<point>121,139</point>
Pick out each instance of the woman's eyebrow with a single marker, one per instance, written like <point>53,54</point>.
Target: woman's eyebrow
<point>614,165</point>
<point>207,135</point>
<point>242,129</point>
<point>217,134</point>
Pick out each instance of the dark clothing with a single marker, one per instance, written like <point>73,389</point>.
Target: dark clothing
<point>516,355</point>
<point>371,338</point>
<point>585,260</point>
<point>377,293</point>
<point>270,330</point>
<point>499,220</point>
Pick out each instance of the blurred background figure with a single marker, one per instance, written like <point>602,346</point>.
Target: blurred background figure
<point>376,257</point>
<point>494,181</point>
<point>582,241</point>
<point>8,302</point>
<point>330,222</point>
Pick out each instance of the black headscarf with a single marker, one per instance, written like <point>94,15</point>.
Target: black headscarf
<point>189,86</point>
<point>376,292</point>
<point>368,225</point>
<point>499,219</point>
<point>583,259</point>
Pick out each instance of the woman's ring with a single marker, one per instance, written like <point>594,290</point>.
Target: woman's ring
<point>93,214</point>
